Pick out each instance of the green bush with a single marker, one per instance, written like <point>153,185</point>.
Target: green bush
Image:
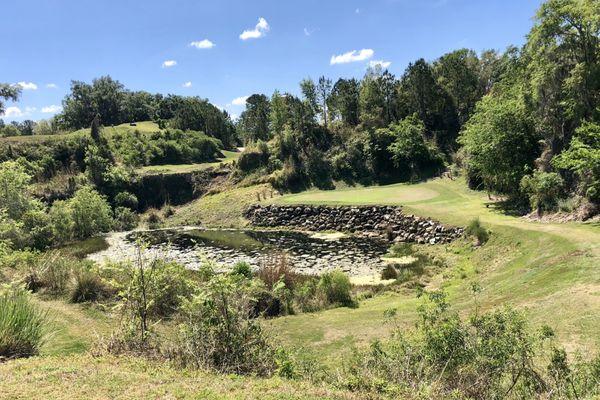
<point>125,219</point>
<point>308,297</point>
<point>476,230</point>
<point>126,199</point>
<point>543,189</point>
<point>219,332</point>
<point>242,268</point>
<point>21,324</point>
<point>88,286</point>
<point>336,287</point>
<point>153,219</point>
<point>91,213</point>
<point>56,272</point>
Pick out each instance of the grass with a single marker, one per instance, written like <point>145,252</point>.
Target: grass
<point>229,157</point>
<point>106,377</point>
<point>143,127</point>
<point>223,210</point>
<point>550,270</point>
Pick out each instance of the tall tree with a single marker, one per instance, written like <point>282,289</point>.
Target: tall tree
<point>323,94</point>
<point>254,121</point>
<point>310,97</point>
<point>345,100</point>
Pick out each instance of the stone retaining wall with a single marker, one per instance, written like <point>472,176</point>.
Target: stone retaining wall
<point>386,222</point>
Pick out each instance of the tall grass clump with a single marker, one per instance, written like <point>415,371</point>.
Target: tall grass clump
<point>337,288</point>
<point>21,324</point>
<point>477,230</point>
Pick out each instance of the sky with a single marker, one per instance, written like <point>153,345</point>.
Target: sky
<point>226,50</point>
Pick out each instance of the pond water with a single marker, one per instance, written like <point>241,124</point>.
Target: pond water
<point>309,254</point>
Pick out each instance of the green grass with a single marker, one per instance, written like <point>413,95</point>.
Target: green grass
<point>143,126</point>
<point>223,210</point>
<point>106,377</point>
<point>550,270</point>
<point>229,157</point>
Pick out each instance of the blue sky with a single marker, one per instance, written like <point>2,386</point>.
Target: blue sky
<point>48,43</point>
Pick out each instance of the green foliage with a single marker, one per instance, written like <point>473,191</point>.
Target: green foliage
<point>90,212</point>
<point>583,158</point>
<point>218,332</point>
<point>500,143</point>
<point>88,286</point>
<point>543,189</point>
<point>337,288</point>
<point>253,157</point>
<point>476,229</point>
<point>125,219</point>
<point>22,324</point>
<point>126,199</point>
<point>8,92</point>
<point>242,268</point>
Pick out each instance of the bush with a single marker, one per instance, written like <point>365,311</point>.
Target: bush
<point>88,286</point>
<point>153,219</point>
<point>336,287</point>
<point>125,219</point>
<point>308,297</point>
<point>543,189</point>
<point>389,272</point>
<point>55,272</point>
<point>126,199</point>
<point>476,230</point>
<point>21,324</point>
<point>242,268</point>
<point>91,213</point>
<point>274,269</point>
<point>219,332</point>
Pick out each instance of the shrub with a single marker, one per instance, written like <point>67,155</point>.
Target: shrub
<point>401,250</point>
<point>242,268</point>
<point>336,286</point>
<point>389,272</point>
<point>21,324</point>
<point>126,199</point>
<point>274,269</point>
<point>543,189</point>
<point>153,219</point>
<point>308,297</point>
<point>476,230</point>
<point>61,220</point>
<point>125,219</point>
<point>219,332</point>
<point>55,272</point>
<point>88,286</point>
<point>91,213</point>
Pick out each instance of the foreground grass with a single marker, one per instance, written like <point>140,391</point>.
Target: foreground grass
<point>550,270</point>
<point>106,377</point>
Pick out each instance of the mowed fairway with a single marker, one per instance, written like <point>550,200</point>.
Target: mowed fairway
<point>552,271</point>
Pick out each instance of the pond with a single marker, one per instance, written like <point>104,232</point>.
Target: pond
<point>307,253</point>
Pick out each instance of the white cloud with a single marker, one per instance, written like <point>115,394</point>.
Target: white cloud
<point>260,30</point>
<point>27,85</point>
<point>51,85</point>
<point>203,44</point>
<point>14,112</point>
<point>234,116</point>
<point>239,101</point>
<point>187,84</point>
<point>379,63</point>
<point>357,11</point>
<point>169,63</point>
<point>352,56</point>
<point>53,109</point>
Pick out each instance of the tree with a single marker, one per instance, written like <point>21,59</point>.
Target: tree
<point>91,213</point>
<point>323,94</point>
<point>8,92</point>
<point>457,73</point>
<point>254,121</point>
<point>420,93</point>
<point>310,98</point>
<point>563,50</point>
<point>344,100</point>
<point>500,143</point>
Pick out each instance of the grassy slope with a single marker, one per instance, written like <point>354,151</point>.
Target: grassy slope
<point>551,270</point>
<point>87,377</point>
<point>144,127</point>
<point>229,157</point>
